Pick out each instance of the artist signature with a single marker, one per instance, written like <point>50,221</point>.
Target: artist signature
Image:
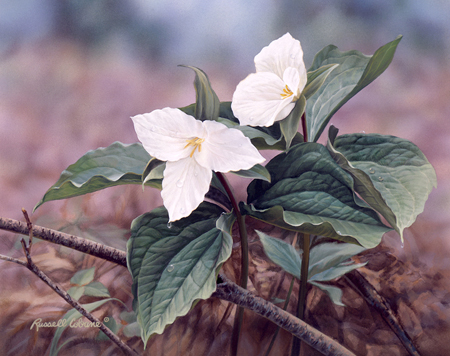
<point>62,323</point>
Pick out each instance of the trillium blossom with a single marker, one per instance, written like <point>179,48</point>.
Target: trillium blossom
<point>192,150</point>
<point>269,95</point>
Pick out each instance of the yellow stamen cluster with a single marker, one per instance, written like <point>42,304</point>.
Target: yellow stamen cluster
<point>286,92</point>
<point>197,143</point>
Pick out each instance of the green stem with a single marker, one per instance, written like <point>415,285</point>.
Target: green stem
<point>244,261</point>
<point>305,130</point>
<point>296,344</point>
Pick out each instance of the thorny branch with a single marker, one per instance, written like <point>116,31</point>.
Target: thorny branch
<point>116,256</point>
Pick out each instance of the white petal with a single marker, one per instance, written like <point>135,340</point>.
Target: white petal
<point>227,149</point>
<point>257,100</point>
<point>281,54</point>
<point>164,133</point>
<point>184,186</point>
<point>292,79</point>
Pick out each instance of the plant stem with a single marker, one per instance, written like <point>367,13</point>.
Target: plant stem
<point>296,344</point>
<point>244,261</point>
<point>305,130</point>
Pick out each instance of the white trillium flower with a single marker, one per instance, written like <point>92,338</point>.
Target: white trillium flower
<point>192,149</point>
<point>269,95</point>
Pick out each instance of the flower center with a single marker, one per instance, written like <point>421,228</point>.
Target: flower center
<point>196,142</point>
<point>286,92</point>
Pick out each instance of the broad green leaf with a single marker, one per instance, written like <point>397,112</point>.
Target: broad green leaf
<point>96,289</point>
<point>190,109</point>
<point>256,172</point>
<point>263,138</point>
<point>98,169</point>
<point>174,265</point>
<point>112,325</point>
<point>310,193</point>
<point>334,293</point>
<point>215,182</point>
<point>83,277</point>
<point>362,182</point>
<point>327,261</point>
<point>206,103</point>
<point>328,256</point>
<point>391,174</point>
<point>76,292</point>
<point>355,71</point>
<point>316,79</point>
<point>128,316</point>
<point>132,329</point>
<point>336,272</point>
<point>289,126</point>
<point>281,253</point>
<point>153,171</point>
<point>69,317</point>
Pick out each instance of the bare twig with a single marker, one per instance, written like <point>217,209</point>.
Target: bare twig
<point>29,226</point>
<point>326,345</point>
<point>224,290</point>
<point>369,293</point>
<point>60,238</point>
<point>61,292</point>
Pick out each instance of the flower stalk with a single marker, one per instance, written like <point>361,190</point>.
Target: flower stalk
<point>244,260</point>
<point>301,306</point>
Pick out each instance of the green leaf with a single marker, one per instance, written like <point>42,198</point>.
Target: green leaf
<point>310,193</point>
<point>327,261</point>
<point>336,272</point>
<point>316,79</point>
<point>132,329</point>
<point>206,103</point>
<point>281,253</point>
<point>256,172</point>
<point>174,265</point>
<point>96,289</point>
<point>69,317</point>
<point>112,325</point>
<point>289,125</point>
<point>76,292</point>
<point>263,138</point>
<point>98,169</point>
<point>83,277</point>
<point>326,258</point>
<point>334,293</point>
<point>153,171</point>
<point>391,174</point>
<point>355,71</point>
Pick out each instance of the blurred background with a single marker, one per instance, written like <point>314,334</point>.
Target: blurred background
<point>72,73</point>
